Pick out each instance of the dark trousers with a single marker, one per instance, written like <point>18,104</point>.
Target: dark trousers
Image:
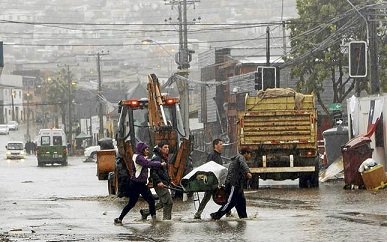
<point>135,189</point>
<point>235,199</point>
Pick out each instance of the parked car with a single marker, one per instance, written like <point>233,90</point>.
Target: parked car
<point>90,152</point>
<point>15,150</point>
<point>13,125</point>
<point>4,129</point>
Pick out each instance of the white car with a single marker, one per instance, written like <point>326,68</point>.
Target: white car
<point>13,125</point>
<point>4,129</point>
<point>91,152</point>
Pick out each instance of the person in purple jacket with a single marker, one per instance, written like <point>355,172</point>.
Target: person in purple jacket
<point>138,182</point>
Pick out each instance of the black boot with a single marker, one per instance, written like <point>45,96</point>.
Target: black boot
<point>144,213</point>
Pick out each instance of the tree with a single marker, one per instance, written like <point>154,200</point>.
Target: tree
<point>318,40</point>
<point>58,92</point>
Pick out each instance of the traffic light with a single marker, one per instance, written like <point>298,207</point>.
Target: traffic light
<point>357,59</point>
<point>258,79</point>
<point>265,77</point>
<point>269,77</point>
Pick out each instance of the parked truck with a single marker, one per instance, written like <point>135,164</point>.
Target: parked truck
<point>280,126</point>
<point>150,119</point>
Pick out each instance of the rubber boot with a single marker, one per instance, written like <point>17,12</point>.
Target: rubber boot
<point>167,212</point>
<point>145,212</point>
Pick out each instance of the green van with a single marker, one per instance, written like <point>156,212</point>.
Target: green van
<point>51,147</point>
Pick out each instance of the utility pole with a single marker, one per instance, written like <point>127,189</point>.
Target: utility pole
<point>70,101</point>
<point>183,58</point>
<point>99,96</point>
<point>373,54</point>
<point>268,46</point>
<point>28,112</point>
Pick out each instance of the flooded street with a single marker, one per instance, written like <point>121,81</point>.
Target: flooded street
<point>56,203</point>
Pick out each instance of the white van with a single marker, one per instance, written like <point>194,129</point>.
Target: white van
<point>15,150</point>
<point>51,147</point>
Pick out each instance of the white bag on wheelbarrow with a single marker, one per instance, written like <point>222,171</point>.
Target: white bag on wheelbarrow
<point>206,177</point>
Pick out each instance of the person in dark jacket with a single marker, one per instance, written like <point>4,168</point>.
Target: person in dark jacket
<point>217,145</point>
<point>161,180</point>
<point>238,172</point>
<point>138,181</point>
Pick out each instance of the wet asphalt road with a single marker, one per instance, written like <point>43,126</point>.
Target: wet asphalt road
<point>56,203</point>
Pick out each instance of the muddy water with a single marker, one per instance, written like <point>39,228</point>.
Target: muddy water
<point>70,204</point>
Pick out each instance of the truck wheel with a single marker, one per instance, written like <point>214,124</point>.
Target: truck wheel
<point>308,180</point>
<point>314,177</point>
<point>101,176</point>
<point>111,188</point>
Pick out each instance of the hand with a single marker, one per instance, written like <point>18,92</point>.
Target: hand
<point>160,185</point>
<point>248,175</point>
<point>163,164</point>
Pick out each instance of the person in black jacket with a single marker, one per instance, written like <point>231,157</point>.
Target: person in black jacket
<point>238,172</point>
<point>161,180</point>
<point>217,145</point>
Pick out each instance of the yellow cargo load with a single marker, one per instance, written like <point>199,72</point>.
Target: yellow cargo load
<point>280,126</point>
<point>279,120</point>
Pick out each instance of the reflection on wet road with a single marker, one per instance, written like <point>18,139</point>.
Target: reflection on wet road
<point>70,204</point>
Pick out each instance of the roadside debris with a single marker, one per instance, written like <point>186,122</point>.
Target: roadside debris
<point>333,171</point>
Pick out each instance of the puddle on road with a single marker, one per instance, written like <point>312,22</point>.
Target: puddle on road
<point>280,203</point>
<point>28,235</point>
<point>362,218</point>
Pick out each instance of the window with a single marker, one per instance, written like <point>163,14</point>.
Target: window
<point>15,146</point>
<point>45,140</point>
<point>57,140</point>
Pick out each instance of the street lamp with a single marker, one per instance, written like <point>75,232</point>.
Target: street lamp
<point>151,41</point>
<point>182,58</point>
<point>168,52</point>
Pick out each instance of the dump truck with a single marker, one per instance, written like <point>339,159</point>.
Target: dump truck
<point>280,126</point>
<point>150,119</point>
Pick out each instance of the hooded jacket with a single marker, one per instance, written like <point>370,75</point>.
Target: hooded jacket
<point>237,171</point>
<point>159,174</point>
<point>141,164</point>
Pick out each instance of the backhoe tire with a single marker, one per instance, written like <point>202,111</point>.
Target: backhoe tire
<point>111,187</point>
